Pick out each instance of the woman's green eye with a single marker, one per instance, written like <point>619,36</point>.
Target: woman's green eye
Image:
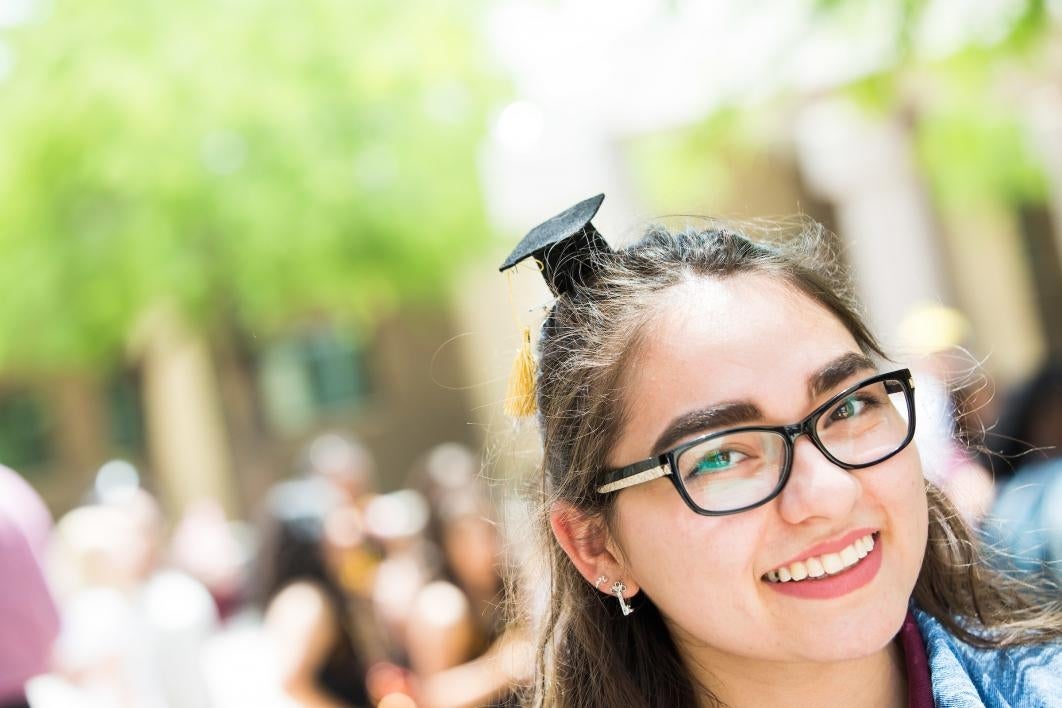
<point>849,408</point>
<point>717,460</point>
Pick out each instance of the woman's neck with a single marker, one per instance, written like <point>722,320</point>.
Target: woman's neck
<point>875,681</point>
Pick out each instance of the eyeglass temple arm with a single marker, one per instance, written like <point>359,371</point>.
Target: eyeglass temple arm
<point>644,471</point>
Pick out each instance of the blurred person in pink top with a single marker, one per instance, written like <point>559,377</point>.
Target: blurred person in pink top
<point>29,621</point>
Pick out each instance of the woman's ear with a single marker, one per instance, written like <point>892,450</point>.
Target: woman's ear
<point>585,539</point>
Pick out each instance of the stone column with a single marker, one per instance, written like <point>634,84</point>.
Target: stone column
<point>188,446</point>
<point>864,168</point>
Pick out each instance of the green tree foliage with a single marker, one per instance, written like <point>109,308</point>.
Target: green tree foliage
<point>973,146</point>
<point>262,159</point>
<point>971,137</point>
<point>969,130</point>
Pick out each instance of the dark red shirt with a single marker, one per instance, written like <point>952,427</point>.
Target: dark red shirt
<point>919,684</point>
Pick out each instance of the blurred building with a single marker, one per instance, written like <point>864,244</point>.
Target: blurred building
<point>233,413</point>
<point>729,109</point>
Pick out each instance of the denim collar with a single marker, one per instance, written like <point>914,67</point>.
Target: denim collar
<point>964,676</point>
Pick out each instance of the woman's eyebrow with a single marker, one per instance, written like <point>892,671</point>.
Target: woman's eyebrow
<point>723,415</point>
<point>837,371</point>
<point>735,413</point>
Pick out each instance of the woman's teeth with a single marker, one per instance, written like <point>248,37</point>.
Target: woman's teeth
<point>826,564</point>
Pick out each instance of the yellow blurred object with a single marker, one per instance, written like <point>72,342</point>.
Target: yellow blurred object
<point>520,396</point>
<point>929,328</point>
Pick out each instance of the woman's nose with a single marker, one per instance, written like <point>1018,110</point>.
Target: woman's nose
<point>817,488</point>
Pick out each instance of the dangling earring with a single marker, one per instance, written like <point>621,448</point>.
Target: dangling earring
<point>618,588</point>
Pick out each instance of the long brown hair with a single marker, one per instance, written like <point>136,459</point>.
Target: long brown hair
<point>587,655</point>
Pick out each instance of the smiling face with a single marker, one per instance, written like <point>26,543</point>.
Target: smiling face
<point>749,340</point>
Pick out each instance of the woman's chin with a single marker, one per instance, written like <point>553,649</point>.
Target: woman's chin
<point>848,638</point>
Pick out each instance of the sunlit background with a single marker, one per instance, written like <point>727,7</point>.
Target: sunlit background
<point>228,227</point>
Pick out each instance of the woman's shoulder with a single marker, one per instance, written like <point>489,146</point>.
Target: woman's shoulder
<point>965,675</point>
<point>302,603</point>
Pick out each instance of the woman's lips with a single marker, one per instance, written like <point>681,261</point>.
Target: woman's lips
<point>834,545</point>
<point>841,574</point>
<point>832,558</point>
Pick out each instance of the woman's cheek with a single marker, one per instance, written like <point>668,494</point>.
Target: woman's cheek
<point>681,559</point>
<point>900,487</point>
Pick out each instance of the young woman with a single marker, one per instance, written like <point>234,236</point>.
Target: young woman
<point>308,614</point>
<point>733,510</point>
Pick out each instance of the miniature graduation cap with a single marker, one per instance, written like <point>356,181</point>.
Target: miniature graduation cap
<point>563,246</point>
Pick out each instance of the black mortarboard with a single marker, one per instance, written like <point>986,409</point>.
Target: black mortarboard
<point>563,246</point>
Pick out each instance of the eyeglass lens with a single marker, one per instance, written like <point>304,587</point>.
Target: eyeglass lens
<point>743,468</point>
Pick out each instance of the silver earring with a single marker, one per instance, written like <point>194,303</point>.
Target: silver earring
<point>601,579</point>
<point>618,588</point>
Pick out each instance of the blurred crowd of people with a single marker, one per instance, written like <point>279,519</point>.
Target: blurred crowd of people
<point>998,458</point>
<point>337,595</point>
<point>340,595</point>
<point>995,452</point>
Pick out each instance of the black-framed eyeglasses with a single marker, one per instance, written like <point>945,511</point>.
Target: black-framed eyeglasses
<point>734,470</point>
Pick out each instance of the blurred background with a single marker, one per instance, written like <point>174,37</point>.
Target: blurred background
<point>233,233</point>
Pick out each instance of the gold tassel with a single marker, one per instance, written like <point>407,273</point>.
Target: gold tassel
<point>520,397</point>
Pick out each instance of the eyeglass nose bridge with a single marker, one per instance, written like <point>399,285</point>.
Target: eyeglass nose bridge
<point>805,427</point>
<point>795,430</point>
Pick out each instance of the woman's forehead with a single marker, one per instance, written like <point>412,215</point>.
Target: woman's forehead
<point>740,305</point>
<point>738,338</point>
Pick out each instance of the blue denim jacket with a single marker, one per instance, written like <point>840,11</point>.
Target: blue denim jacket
<point>967,677</point>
